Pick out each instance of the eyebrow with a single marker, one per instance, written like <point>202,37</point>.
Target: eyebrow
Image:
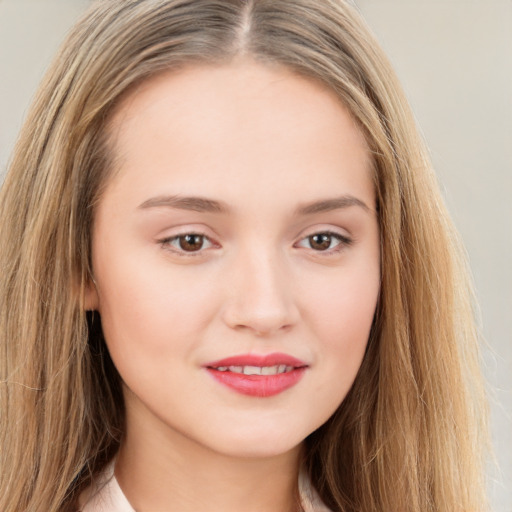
<point>336,203</point>
<point>197,204</point>
<point>203,204</point>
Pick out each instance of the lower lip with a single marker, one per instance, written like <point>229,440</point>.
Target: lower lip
<point>258,385</point>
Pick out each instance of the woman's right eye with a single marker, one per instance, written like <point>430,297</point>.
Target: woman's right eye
<point>187,243</point>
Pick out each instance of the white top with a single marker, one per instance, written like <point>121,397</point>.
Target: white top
<point>107,496</point>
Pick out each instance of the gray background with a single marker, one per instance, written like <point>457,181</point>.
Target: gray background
<point>454,58</point>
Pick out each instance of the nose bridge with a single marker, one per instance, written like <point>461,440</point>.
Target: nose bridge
<point>261,291</point>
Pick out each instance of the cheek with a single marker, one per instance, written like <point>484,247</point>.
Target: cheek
<point>151,311</point>
<point>342,304</point>
<point>341,317</point>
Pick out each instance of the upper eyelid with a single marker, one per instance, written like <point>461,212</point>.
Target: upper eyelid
<point>327,231</point>
<point>334,231</point>
<point>177,231</point>
<point>343,238</point>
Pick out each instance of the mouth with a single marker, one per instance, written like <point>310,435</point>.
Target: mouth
<point>256,370</point>
<point>258,376</point>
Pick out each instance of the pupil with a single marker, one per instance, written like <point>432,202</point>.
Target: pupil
<point>191,242</point>
<point>320,242</point>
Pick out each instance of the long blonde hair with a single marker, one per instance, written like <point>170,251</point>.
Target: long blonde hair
<point>410,434</point>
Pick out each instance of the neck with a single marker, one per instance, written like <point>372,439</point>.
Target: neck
<point>161,469</point>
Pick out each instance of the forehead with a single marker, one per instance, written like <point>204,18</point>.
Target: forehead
<point>243,121</point>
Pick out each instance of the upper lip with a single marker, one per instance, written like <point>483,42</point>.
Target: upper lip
<point>274,359</point>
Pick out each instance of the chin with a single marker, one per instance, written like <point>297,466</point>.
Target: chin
<point>254,444</point>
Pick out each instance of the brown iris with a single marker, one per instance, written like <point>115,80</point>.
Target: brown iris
<point>320,241</point>
<point>191,242</point>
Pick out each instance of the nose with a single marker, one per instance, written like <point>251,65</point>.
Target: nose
<point>260,295</point>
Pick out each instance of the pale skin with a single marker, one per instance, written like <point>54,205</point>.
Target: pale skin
<point>282,255</point>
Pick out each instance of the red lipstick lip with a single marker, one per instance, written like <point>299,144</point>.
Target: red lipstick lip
<point>261,386</point>
<point>258,360</point>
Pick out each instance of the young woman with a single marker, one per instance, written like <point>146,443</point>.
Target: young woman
<point>228,278</point>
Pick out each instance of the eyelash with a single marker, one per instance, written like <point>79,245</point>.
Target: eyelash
<point>167,243</point>
<point>343,242</point>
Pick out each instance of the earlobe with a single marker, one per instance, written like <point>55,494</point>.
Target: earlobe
<point>91,296</point>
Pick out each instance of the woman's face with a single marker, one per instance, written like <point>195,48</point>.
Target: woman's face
<point>236,257</point>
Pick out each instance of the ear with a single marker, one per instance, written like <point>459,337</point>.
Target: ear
<point>92,301</point>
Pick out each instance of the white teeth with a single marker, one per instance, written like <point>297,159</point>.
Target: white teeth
<point>256,370</point>
<point>252,370</point>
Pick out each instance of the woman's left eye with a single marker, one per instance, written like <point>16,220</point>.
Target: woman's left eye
<point>188,243</point>
<point>325,241</point>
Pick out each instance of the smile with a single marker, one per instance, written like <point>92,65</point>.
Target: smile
<point>258,376</point>
<point>256,370</point>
